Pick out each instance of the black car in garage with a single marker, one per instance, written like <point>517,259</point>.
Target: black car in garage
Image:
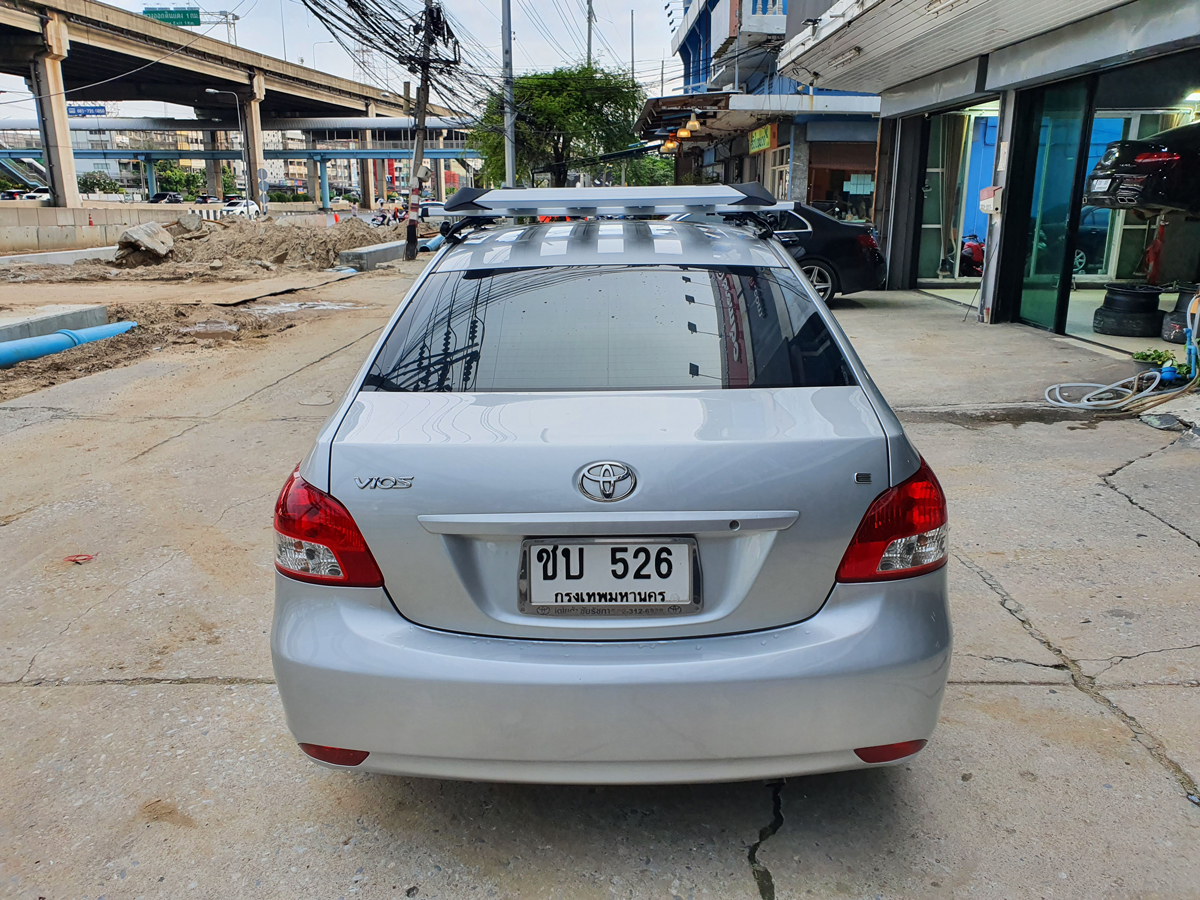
<point>837,257</point>
<point>1159,172</point>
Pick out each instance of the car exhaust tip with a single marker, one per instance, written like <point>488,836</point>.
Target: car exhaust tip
<point>886,753</point>
<point>337,756</point>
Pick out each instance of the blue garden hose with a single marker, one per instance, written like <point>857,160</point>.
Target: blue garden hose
<point>13,352</point>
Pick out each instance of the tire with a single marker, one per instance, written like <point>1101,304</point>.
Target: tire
<point>1127,324</point>
<point>1081,261</point>
<point>1131,298</point>
<point>823,278</point>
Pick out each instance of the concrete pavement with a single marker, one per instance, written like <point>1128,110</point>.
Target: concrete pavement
<point>145,754</point>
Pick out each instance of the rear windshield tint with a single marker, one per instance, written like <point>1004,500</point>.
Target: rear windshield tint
<point>609,328</point>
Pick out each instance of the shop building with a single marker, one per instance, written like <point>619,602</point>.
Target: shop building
<point>995,115</point>
<point>802,143</point>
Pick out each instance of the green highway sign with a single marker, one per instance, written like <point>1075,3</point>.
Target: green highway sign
<point>180,16</point>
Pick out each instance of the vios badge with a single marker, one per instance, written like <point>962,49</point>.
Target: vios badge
<point>606,481</point>
<point>386,483</point>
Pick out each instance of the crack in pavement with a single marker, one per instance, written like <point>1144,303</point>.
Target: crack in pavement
<point>12,517</point>
<point>1151,512</point>
<point>1009,659</point>
<point>75,619</point>
<point>1107,479</point>
<point>136,681</point>
<point>175,555</point>
<point>1087,684</point>
<point>1117,659</point>
<point>255,393</point>
<point>762,875</point>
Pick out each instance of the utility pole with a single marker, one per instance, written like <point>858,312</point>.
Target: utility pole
<point>632,64</point>
<point>283,29</point>
<point>414,181</point>
<point>590,17</point>
<point>510,110</point>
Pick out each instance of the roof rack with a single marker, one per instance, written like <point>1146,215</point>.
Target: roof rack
<point>608,201</point>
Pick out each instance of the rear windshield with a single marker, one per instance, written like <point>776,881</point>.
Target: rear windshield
<point>609,328</point>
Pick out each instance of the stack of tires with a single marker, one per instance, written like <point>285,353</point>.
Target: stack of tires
<point>1129,310</point>
<point>1175,321</point>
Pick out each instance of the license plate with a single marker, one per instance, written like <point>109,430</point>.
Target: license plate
<point>1100,185</point>
<point>609,577</point>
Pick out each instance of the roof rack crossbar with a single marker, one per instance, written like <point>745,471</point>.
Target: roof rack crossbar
<point>631,201</point>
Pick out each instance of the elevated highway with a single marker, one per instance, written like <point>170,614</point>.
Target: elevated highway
<point>83,50</point>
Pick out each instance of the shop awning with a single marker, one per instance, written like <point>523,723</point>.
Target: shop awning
<point>726,114</point>
<point>874,45</point>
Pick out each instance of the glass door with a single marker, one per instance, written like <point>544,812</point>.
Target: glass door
<point>1064,115</point>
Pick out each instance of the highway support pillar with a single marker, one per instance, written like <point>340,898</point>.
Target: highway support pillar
<point>151,176</point>
<point>212,168</point>
<point>46,83</point>
<point>314,181</point>
<point>323,165</point>
<point>252,122</point>
<point>366,167</point>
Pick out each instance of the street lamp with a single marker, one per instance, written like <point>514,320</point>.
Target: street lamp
<point>237,104</point>
<point>315,46</point>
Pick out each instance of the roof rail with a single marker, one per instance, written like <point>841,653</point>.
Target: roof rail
<point>608,201</point>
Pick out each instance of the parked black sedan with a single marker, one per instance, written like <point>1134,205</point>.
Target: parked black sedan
<point>1161,172</point>
<point>837,257</point>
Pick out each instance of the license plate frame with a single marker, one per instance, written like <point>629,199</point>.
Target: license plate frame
<point>628,609</point>
<point>1101,185</point>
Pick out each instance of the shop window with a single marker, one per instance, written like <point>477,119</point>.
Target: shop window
<point>778,172</point>
<point>1155,243</point>
<point>960,163</point>
<point>841,179</point>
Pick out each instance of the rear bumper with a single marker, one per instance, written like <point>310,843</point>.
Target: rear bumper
<point>870,275</point>
<point>869,669</point>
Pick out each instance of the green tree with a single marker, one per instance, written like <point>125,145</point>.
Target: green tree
<point>98,183</point>
<point>172,178</point>
<point>566,114</point>
<point>228,182</point>
<point>650,169</point>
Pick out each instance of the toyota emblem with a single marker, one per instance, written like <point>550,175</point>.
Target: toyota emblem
<point>606,481</point>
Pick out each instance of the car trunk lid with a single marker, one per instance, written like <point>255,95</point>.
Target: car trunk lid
<point>770,484</point>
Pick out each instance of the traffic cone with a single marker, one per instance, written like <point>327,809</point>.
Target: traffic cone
<point>89,218</point>
<point>336,218</point>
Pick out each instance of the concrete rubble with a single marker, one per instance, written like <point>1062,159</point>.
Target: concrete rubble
<point>144,243</point>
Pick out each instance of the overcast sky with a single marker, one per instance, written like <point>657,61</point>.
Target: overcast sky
<point>545,35</point>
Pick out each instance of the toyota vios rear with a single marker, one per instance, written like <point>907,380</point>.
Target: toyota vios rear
<point>611,501</point>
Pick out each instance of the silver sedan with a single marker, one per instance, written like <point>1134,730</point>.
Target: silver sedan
<point>611,502</point>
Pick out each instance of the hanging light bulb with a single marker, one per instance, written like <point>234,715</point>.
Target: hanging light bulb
<point>693,123</point>
<point>683,133</point>
<point>670,145</point>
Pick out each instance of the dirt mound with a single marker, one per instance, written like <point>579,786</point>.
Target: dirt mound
<point>300,246</point>
<point>234,249</point>
<point>160,326</point>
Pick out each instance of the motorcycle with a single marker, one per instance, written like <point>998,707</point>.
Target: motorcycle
<point>970,258</point>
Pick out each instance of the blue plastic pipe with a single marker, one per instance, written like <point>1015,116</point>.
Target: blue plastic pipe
<point>13,352</point>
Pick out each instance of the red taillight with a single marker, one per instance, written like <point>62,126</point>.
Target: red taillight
<point>903,533</point>
<point>317,540</point>
<point>889,752</point>
<point>867,240</point>
<point>335,756</point>
<point>1158,157</point>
